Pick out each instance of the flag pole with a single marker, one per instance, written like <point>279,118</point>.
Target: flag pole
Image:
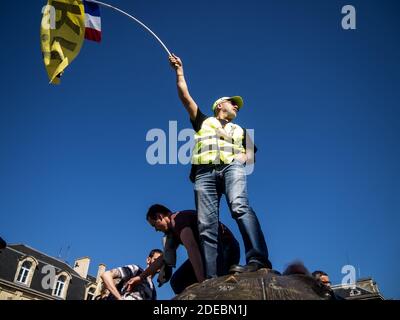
<point>136,20</point>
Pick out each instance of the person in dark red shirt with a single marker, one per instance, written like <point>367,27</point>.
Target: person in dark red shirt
<point>182,228</point>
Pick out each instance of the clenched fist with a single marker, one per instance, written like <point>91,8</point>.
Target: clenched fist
<point>175,62</point>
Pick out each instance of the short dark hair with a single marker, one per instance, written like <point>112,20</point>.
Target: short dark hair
<point>154,251</point>
<point>154,209</point>
<point>296,267</point>
<point>319,273</point>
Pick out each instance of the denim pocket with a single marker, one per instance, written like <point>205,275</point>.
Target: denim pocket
<point>201,170</point>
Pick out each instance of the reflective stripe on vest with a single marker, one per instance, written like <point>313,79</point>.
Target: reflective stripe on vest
<point>215,144</point>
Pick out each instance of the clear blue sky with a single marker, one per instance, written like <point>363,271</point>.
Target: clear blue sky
<point>324,104</point>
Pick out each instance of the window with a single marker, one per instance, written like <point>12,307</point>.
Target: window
<point>90,294</point>
<point>60,284</point>
<point>24,272</point>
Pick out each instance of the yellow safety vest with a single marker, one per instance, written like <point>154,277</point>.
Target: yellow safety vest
<point>215,144</point>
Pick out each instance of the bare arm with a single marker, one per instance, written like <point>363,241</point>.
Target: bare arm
<point>193,251</point>
<point>108,279</point>
<point>183,91</point>
<point>151,270</point>
<point>249,156</point>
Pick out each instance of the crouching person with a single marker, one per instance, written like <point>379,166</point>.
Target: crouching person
<point>181,228</point>
<point>125,289</point>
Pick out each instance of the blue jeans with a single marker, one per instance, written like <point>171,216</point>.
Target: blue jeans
<point>211,182</point>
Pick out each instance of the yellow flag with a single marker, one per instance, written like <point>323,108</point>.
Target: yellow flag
<point>62,35</point>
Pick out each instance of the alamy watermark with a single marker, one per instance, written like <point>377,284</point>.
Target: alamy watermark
<point>350,278</point>
<point>49,17</point>
<point>48,281</point>
<point>349,20</point>
<point>175,147</point>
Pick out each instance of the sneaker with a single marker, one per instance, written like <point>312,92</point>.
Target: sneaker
<point>250,267</point>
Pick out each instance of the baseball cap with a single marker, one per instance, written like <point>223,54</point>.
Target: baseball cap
<point>237,99</point>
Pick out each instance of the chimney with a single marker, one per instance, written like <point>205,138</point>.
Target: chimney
<point>368,284</point>
<point>81,266</point>
<point>101,270</point>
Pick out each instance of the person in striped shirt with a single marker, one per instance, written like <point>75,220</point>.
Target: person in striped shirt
<point>125,291</point>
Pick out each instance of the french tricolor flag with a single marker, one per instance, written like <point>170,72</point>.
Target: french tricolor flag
<point>92,21</point>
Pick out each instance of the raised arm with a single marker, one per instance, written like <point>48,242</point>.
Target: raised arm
<point>108,279</point>
<point>193,251</point>
<point>183,91</point>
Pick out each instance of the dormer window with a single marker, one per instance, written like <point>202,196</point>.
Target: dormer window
<point>60,285</point>
<point>90,294</point>
<point>24,272</point>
